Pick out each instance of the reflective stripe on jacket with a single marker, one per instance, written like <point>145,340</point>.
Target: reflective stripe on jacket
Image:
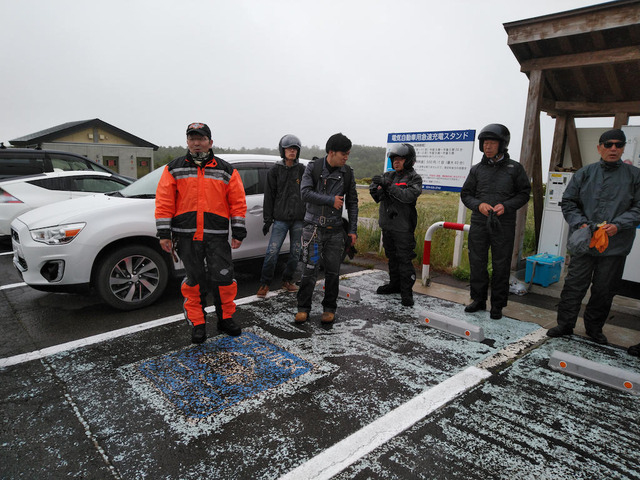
<point>197,201</point>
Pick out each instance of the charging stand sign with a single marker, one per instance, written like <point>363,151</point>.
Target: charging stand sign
<point>443,159</point>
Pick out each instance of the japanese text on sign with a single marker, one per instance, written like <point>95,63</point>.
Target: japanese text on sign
<point>443,158</point>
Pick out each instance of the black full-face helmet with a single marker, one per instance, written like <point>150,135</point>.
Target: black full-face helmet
<point>495,131</point>
<point>404,150</point>
<point>289,141</point>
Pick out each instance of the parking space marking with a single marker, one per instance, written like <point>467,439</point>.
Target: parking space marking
<point>103,337</point>
<point>84,342</point>
<point>344,453</point>
<point>348,451</point>
<point>13,285</point>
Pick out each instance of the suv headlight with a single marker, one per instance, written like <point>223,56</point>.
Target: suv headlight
<point>58,235</point>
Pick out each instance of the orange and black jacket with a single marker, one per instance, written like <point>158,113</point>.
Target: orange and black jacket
<point>200,201</point>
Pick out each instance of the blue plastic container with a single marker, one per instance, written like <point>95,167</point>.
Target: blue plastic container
<point>548,269</point>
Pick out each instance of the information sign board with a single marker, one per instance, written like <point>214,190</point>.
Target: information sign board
<point>443,159</point>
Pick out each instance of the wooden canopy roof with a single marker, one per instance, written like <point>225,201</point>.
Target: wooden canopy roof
<point>580,63</point>
<point>590,58</point>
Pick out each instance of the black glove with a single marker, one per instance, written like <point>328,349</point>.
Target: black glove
<point>266,227</point>
<point>493,224</point>
<point>377,180</point>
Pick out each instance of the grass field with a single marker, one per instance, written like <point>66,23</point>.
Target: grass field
<point>432,207</point>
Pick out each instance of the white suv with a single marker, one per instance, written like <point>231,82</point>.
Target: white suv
<point>108,243</point>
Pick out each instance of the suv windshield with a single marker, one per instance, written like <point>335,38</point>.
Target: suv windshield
<point>145,186</point>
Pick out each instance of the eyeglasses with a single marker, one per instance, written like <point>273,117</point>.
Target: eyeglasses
<point>613,144</point>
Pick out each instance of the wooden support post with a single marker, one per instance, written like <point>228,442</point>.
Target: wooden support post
<point>574,146</point>
<point>559,142</point>
<point>536,186</point>
<point>620,120</point>
<point>530,137</point>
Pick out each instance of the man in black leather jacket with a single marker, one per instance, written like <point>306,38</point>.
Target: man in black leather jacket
<point>323,233</point>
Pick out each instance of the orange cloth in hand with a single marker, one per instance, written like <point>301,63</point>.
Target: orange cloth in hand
<point>600,240</point>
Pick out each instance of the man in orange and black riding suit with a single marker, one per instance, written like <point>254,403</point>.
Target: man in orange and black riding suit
<point>198,196</point>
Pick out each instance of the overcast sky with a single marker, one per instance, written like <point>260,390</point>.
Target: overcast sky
<point>255,70</point>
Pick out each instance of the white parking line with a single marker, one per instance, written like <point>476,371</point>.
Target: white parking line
<point>45,352</point>
<point>103,337</point>
<point>6,253</point>
<point>344,453</point>
<point>12,285</point>
<point>348,451</point>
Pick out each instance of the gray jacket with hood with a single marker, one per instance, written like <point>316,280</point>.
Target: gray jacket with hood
<point>605,192</point>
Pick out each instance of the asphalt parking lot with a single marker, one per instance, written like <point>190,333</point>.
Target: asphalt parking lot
<point>377,395</point>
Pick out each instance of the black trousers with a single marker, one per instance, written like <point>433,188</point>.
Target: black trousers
<point>604,275</point>
<point>326,244</point>
<point>399,247</point>
<point>501,244</point>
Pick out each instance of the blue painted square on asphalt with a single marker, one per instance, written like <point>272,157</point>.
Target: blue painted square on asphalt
<point>206,379</point>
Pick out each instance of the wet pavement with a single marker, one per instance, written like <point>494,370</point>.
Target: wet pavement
<point>377,395</point>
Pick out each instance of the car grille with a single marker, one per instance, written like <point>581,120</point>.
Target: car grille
<point>15,236</point>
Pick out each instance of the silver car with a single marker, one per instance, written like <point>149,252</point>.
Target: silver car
<point>107,243</point>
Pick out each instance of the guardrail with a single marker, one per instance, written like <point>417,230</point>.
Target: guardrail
<point>426,253</point>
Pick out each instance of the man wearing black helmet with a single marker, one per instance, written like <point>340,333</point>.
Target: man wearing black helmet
<point>494,190</point>
<point>604,195</point>
<point>397,192</point>
<point>283,208</point>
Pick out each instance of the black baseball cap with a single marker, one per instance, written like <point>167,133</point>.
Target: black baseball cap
<point>200,128</point>
<point>614,134</point>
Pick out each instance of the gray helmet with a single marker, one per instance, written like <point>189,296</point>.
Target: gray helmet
<point>495,131</point>
<point>404,150</point>
<point>289,141</point>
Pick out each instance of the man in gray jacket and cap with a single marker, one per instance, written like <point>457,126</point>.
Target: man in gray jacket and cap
<point>603,195</point>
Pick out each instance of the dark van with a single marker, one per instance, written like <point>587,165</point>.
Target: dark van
<point>15,162</point>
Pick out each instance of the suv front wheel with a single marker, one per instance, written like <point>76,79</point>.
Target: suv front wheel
<point>132,277</point>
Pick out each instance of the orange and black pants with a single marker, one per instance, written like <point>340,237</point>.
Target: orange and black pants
<point>209,269</point>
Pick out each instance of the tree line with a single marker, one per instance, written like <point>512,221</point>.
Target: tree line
<point>366,161</point>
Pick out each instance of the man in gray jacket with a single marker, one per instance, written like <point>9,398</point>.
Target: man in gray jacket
<point>397,192</point>
<point>323,189</point>
<point>604,194</point>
